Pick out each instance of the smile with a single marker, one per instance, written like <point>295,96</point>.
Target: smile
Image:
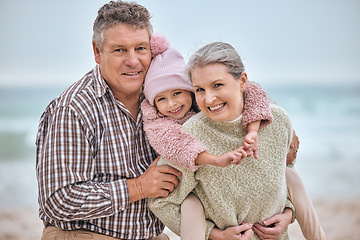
<point>131,74</point>
<point>176,110</point>
<point>216,107</point>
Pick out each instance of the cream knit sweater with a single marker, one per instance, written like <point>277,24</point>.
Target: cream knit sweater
<point>249,192</point>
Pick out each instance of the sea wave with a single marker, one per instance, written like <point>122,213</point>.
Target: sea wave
<point>326,119</point>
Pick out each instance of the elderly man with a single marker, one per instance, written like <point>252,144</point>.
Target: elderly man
<point>93,159</point>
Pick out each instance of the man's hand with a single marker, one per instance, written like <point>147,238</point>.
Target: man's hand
<point>274,226</point>
<point>294,146</point>
<point>241,232</point>
<point>156,181</point>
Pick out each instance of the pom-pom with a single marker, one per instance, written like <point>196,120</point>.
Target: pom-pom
<point>158,44</point>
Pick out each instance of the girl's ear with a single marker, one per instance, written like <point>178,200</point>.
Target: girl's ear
<point>243,81</point>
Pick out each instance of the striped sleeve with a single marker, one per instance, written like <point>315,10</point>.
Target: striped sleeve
<point>67,169</point>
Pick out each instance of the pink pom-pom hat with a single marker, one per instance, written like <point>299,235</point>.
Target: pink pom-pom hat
<point>158,44</point>
<point>166,71</point>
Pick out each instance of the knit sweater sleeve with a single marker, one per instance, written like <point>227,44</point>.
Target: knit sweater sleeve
<point>256,106</point>
<point>169,140</point>
<point>168,209</point>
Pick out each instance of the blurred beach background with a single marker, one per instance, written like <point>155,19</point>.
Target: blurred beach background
<point>305,54</point>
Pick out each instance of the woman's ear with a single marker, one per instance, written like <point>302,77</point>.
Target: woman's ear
<point>243,81</point>
<point>96,53</point>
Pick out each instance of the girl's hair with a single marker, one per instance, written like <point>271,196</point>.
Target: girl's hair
<point>114,13</point>
<point>217,52</point>
<point>194,106</point>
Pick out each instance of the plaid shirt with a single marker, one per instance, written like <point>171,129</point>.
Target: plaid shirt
<point>88,144</point>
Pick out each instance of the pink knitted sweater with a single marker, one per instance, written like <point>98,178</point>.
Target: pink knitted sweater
<point>169,140</point>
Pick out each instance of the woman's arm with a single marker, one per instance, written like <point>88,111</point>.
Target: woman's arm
<point>241,232</point>
<point>275,225</point>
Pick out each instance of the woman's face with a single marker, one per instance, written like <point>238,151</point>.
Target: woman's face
<point>218,93</point>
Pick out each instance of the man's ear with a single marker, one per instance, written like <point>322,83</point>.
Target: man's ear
<point>243,81</point>
<point>96,53</point>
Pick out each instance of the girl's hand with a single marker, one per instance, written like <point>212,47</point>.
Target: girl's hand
<point>243,155</point>
<point>229,158</point>
<point>251,144</point>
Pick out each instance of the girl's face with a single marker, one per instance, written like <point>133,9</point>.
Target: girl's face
<point>218,93</point>
<point>174,103</point>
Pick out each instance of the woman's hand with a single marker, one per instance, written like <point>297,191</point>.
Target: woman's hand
<point>241,232</point>
<point>274,226</point>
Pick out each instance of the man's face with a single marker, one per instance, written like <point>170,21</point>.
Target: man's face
<point>124,59</point>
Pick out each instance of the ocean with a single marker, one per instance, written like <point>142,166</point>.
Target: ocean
<point>326,119</point>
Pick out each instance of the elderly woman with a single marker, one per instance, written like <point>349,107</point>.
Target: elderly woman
<point>250,192</point>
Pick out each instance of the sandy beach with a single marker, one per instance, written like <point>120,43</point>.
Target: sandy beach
<point>340,219</point>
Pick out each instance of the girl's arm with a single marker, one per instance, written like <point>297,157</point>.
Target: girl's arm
<point>256,115</point>
<point>250,142</point>
<point>256,107</point>
<point>224,160</point>
<point>169,140</point>
<point>177,146</point>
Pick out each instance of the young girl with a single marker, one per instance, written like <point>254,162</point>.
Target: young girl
<point>168,89</point>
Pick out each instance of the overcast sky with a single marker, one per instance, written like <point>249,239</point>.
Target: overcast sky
<point>280,41</point>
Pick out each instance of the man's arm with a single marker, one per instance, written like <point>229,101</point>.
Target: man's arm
<point>156,181</point>
<point>66,169</point>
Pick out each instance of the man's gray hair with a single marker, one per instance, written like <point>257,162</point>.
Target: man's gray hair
<point>114,13</point>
